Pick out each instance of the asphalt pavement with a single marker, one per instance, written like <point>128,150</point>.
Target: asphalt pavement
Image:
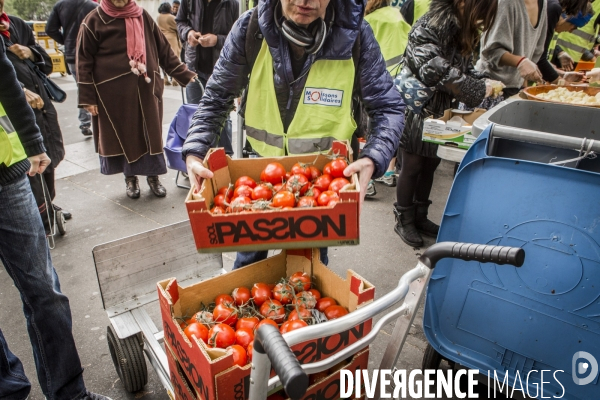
<point>102,212</point>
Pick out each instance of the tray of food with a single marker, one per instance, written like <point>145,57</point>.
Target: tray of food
<point>574,95</point>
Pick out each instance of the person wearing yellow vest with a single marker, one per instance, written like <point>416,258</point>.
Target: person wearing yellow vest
<point>25,255</point>
<point>313,56</point>
<point>580,43</point>
<point>412,10</point>
<point>391,32</point>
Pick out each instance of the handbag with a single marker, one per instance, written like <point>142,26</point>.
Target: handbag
<point>414,93</point>
<point>55,93</point>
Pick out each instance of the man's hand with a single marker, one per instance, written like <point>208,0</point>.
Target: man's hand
<point>365,168</point>
<point>34,100</point>
<point>193,38</point>
<point>38,164</point>
<point>22,52</point>
<point>197,171</point>
<point>566,62</point>
<point>208,40</point>
<point>92,110</point>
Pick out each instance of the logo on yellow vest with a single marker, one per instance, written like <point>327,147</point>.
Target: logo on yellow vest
<point>323,97</point>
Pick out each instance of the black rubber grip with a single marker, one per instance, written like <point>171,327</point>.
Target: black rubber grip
<point>473,252</point>
<point>293,378</point>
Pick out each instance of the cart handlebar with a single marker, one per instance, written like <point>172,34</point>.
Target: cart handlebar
<point>269,341</point>
<point>473,252</point>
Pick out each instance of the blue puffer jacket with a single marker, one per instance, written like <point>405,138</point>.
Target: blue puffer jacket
<point>231,74</point>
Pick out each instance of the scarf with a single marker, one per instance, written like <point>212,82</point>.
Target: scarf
<point>134,29</point>
<point>4,25</point>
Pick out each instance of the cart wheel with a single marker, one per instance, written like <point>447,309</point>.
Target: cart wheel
<point>61,223</point>
<point>431,359</point>
<point>128,357</point>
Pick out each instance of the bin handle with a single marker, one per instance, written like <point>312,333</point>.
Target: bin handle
<point>543,138</point>
<point>473,252</point>
<point>269,341</point>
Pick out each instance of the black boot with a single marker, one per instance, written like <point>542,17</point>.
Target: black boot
<point>133,187</point>
<point>157,188</point>
<point>424,225</point>
<point>405,225</point>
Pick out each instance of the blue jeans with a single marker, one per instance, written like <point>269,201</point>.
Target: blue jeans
<point>194,93</point>
<point>46,309</point>
<point>244,258</point>
<point>85,118</point>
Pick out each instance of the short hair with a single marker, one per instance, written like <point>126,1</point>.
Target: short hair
<point>176,2</point>
<point>164,8</point>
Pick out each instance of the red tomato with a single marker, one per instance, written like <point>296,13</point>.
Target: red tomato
<point>262,192</point>
<point>337,184</point>
<point>307,202</point>
<point>283,293</point>
<point>221,336</point>
<point>224,298</point>
<point>300,313</point>
<point>273,309</point>
<point>336,168</point>
<point>260,293</point>
<point>217,210</point>
<point>300,281</point>
<point>289,326</point>
<point>313,192</point>
<point>325,197</point>
<point>249,351</point>
<point>277,188</point>
<point>298,183</point>
<point>240,357</point>
<point>227,191</point>
<point>241,295</point>
<point>322,182</point>
<point>302,169</point>
<point>203,317</point>
<point>325,302</point>
<point>314,172</point>
<point>198,330</point>
<point>332,202</point>
<point>273,173</point>
<point>220,200</point>
<point>244,337</point>
<point>284,199</point>
<point>266,321</point>
<point>334,312</point>
<point>242,191</point>
<point>306,300</point>
<point>247,323</point>
<point>315,293</point>
<point>245,180</point>
<point>224,314</point>
<point>239,204</point>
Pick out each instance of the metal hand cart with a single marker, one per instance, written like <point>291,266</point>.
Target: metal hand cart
<point>128,270</point>
<point>273,349</point>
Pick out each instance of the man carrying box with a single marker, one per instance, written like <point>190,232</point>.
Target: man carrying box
<point>304,62</point>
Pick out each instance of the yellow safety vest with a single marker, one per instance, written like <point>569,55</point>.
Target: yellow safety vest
<point>580,40</point>
<point>324,113</point>
<point>421,8</point>
<point>391,32</point>
<point>11,149</point>
<point>552,46</point>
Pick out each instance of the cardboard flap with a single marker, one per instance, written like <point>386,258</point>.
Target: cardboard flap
<point>172,290</point>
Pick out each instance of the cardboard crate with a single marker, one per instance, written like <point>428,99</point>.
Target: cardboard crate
<point>300,228</point>
<point>211,371</point>
<point>440,131</point>
<point>181,384</point>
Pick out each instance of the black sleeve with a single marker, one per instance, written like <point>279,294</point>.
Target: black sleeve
<point>408,11</point>
<point>42,59</point>
<point>17,109</point>
<point>53,26</point>
<point>548,72</point>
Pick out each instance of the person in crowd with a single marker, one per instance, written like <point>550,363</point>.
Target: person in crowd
<point>63,26</point>
<point>175,7</point>
<point>26,257</point>
<point>119,52</point>
<point>578,45</point>
<point>204,26</point>
<point>439,55</point>
<point>337,51</point>
<point>168,26</point>
<point>412,10</point>
<point>391,32</point>
<point>22,46</point>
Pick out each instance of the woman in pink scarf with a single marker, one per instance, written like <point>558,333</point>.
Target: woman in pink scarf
<point>120,51</point>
